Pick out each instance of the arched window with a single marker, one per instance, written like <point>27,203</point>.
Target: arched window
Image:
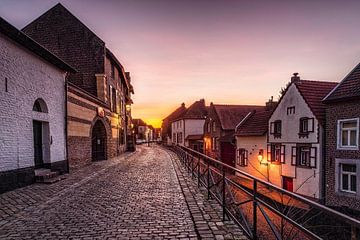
<point>40,106</point>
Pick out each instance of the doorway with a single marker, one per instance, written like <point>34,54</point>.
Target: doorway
<point>288,183</point>
<point>38,144</point>
<point>98,141</point>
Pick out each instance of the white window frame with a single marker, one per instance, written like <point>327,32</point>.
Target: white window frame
<point>349,174</point>
<point>339,134</point>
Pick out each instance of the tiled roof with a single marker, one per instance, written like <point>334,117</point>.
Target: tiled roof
<point>313,93</point>
<point>177,113</point>
<point>231,115</point>
<point>348,88</point>
<point>24,40</point>
<point>138,122</point>
<point>229,137</point>
<point>256,124</point>
<point>197,110</point>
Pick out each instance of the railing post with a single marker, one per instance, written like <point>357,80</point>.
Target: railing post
<point>255,210</point>
<point>353,232</point>
<point>223,193</point>
<point>192,167</point>
<point>208,178</point>
<point>198,171</point>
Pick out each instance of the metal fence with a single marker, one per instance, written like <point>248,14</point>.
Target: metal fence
<point>261,209</point>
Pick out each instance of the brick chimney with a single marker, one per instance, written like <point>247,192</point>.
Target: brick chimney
<point>270,104</point>
<point>183,105</point>
<point>295,77</point>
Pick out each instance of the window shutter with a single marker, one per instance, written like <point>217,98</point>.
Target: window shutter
<point>246,158</point>
<point>282,157</point>
<point>310,124</point>
<point>313,157</point>
<point>293,156</point>
<point>238,156</point>
<point>272,125</point>
<point>268,153</point>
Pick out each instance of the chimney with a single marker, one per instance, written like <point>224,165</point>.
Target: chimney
<point>183,105</point>
<point>270,105</point>
<point>295,78</point>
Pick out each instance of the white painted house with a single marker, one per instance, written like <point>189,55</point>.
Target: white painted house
<point>33,113</point>
<point>296,137</point>
<point>251,146</point>
<point>188,129</point>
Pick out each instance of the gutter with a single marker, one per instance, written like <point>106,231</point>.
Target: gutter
<point>66,123</point>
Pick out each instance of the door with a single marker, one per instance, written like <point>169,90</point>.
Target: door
<point>227,153</point>
<point>38,144</point>
<point>98,141</point>
<point>288,183</point>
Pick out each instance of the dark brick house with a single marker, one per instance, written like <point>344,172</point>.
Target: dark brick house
<point>219,129</point>
<point>342,165</point>
<point>98,121</point>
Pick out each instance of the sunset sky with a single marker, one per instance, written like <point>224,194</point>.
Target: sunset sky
<point>226,51</point>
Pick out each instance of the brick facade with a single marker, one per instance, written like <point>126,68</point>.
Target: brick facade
<point>210,134</point>
<point>100,83</point>
<point>334,112</point>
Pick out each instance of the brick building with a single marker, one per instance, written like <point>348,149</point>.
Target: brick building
<point>32,103</point>
<point>99,94</point>
<point>342,165</point>
<point>219,129</point>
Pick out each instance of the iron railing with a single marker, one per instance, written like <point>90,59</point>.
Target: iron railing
<point>261,209</point>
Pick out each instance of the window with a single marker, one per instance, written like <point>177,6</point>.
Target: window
<point>275,128</point>
<point>306,126</point>
<point>214,144</point>
<point>348,178</point>
<point>214,126</point>
<point>40,106</point>
<point>290,110</point>
<point>113,99</point>
<point>180,138</point>
<point>112,71</point>
<point>348,133</point>
<point>276,153</point>
<point>209,127</point>
<point>242,157</point>
<point>304,156</point>
<point>174,137</point>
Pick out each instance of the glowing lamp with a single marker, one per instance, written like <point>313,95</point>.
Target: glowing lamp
<point>261,156</point>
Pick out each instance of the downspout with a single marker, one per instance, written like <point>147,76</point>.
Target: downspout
<point>323,166</point>
<point>66,123</point>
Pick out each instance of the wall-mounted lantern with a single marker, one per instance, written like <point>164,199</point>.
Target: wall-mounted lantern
<point>261,157</point>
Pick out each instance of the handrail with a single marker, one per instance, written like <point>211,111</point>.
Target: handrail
<point>354,223</point>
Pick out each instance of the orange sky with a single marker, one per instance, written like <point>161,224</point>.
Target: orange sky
<point>226,51</point>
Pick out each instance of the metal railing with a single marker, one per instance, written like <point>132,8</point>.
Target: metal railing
<point>261,209</point>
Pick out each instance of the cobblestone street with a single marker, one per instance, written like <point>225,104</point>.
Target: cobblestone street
<point>143,195</point>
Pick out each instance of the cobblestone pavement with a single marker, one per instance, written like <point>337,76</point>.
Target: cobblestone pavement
<point>144,195</point>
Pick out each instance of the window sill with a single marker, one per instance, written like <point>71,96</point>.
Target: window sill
<point>303,135</point>
<point>348,148</point>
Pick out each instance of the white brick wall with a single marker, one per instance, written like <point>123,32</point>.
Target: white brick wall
<point>29,77</point>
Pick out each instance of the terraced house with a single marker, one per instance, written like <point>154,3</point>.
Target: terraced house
<point>33,109</point>
<point>188,128</point>
<point>342,147</point>
<point>296,136</point>
<point>219,129</point>
<point>98,95</point>
<point>166,130</point>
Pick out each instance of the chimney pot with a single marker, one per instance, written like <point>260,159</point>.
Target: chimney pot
<point>295,77</point>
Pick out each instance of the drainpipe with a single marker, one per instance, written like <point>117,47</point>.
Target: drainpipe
<point>323,165</point>
<point>66,124</point>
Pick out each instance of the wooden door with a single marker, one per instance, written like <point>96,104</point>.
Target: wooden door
<point>38,144</point>
<point>288,183</point>
<point>227,153</point>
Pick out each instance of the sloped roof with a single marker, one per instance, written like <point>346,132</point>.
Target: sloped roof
<point>177,113</point>
<point>197,110</point>
<point>24,40</point>
<point>229,137</point>
<point>348,88</point>
<point>195,137</point>
<point>256,124</point>
<point>313,93</point>
<point>230,115</point>
<point>138,122</point>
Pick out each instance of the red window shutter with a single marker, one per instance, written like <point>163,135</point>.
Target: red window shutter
<point>293,156</point>
<point>313,157</point>
<point>282,157</point>
<point>268,155</point>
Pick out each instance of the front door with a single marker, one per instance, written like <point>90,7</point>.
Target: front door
<point>288,183</point>
<point>227,153</point>
<point>98,141</point>
<point>38,144</point>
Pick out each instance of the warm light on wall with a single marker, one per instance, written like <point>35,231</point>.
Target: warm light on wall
<point>261,157</point>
